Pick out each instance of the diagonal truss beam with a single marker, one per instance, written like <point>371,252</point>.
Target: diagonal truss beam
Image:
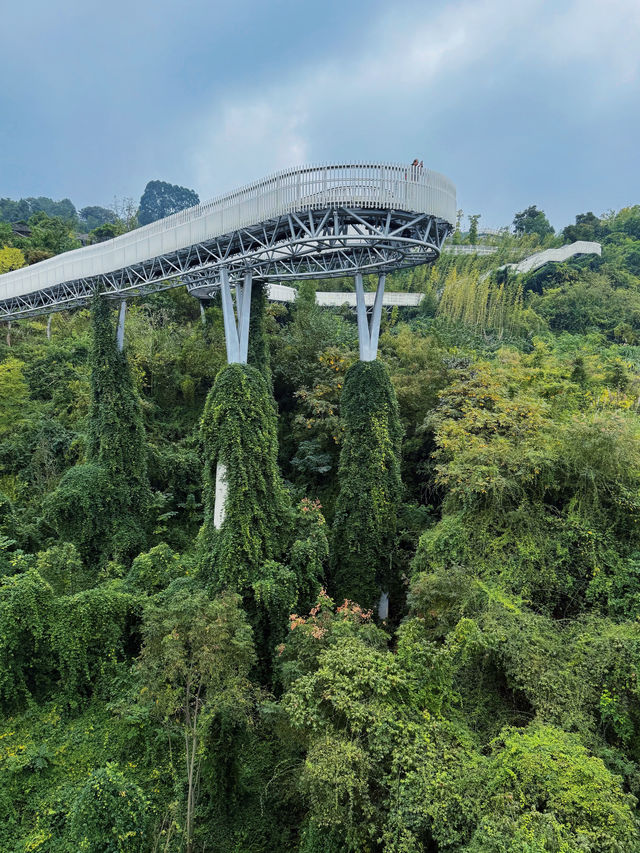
<point>327,243</point>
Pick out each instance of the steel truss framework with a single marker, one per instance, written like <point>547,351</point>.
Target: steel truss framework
<point>334,242</point>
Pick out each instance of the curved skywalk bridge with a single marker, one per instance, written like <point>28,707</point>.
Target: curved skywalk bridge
<point>338,299</point>
<point>308,222</point>
<point>550,256</point>
<point>556,256</point>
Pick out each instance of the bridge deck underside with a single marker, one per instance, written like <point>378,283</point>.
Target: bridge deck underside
<point>327,243</point>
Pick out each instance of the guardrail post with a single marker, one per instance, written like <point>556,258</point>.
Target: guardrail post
<point>121,318</point>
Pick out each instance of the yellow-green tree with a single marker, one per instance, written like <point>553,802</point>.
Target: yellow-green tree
<point>14,395</point>
<point>10,259</point>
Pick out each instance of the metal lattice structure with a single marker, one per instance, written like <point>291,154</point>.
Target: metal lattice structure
<point>309,222</point>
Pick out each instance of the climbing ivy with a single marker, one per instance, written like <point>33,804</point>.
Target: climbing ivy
<point>108,814</point>
<point>370,486</point>
<point>88,638</point>
<point>81,510</point>
<point>101,506</point>
<point>25,657</point>
<point>238,429</point>
<point>258,345</point>
<point>116,432</point>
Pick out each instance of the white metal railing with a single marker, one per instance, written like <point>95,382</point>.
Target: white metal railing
<point>363,185</point>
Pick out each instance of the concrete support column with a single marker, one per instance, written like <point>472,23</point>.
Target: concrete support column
<point>121,318</point>
<point>49,327</point>
<point>383,606</point>
<point>202,314</point>
<point>220,500</point>
<point>369,330</point>
<point>236,335</point>
<point>244,315</point>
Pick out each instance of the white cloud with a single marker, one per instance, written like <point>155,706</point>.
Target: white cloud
<point>599,40</point>
<point>405,62</point>
<point>248,139</point>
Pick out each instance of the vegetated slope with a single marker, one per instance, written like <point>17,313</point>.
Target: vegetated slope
<point>169,698</point>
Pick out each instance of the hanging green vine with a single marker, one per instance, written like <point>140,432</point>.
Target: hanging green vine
<point>101,506</point>
<point>370,486</point>
<point>258,346</point>
<point>238,429</point>
<point>116,432</point>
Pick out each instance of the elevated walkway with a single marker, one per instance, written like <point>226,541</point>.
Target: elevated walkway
<point>336,299</point>
<point>555,256</point>
<point>308,222</point>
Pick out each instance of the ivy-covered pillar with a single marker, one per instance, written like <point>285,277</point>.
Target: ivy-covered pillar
<point>122,314</point>
<point>116,431</point>
<point>236,335</point>
<point>101,506</point>
<point>239,434</point>
<point>370,487</point>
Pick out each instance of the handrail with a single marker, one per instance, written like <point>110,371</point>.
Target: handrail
<point>362,185</point>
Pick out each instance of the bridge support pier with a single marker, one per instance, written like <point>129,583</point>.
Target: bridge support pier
<point>236,333</point>
<point>121,318</point>
<point>49,327</point>
<point>369,330</point>
<point>220,498</point>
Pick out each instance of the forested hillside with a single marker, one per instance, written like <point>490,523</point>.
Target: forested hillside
<point>166,686</point>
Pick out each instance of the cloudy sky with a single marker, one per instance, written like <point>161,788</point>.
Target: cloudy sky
<point>518,101</point>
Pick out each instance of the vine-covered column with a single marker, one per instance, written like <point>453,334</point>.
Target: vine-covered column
<point>236,335</point>
<point>370,485</point>
<point>101,505</point>
<point>239,432</point>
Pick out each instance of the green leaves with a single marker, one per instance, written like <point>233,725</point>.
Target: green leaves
<point>238,430</point>
<point>108,814</point>
<point>370,487</point>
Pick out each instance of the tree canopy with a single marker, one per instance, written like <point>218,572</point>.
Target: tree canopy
<point>161,199</point>
<point>532,221</point>
<point>171,685</point>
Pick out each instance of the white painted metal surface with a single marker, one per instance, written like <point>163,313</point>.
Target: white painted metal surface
<point>468,249</point>
<point>338,298</point>
<point>379,186</point>
<point>389,299</point>
<point>563,253</point>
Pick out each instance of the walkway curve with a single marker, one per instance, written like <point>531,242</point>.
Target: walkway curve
<point>308,222</point>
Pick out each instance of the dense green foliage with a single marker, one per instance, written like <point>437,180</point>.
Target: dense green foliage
<point>370,488</point>
<point>161,199</point>
<point>239,432</point>
<point>166,687</point>
<point>101,506</point>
